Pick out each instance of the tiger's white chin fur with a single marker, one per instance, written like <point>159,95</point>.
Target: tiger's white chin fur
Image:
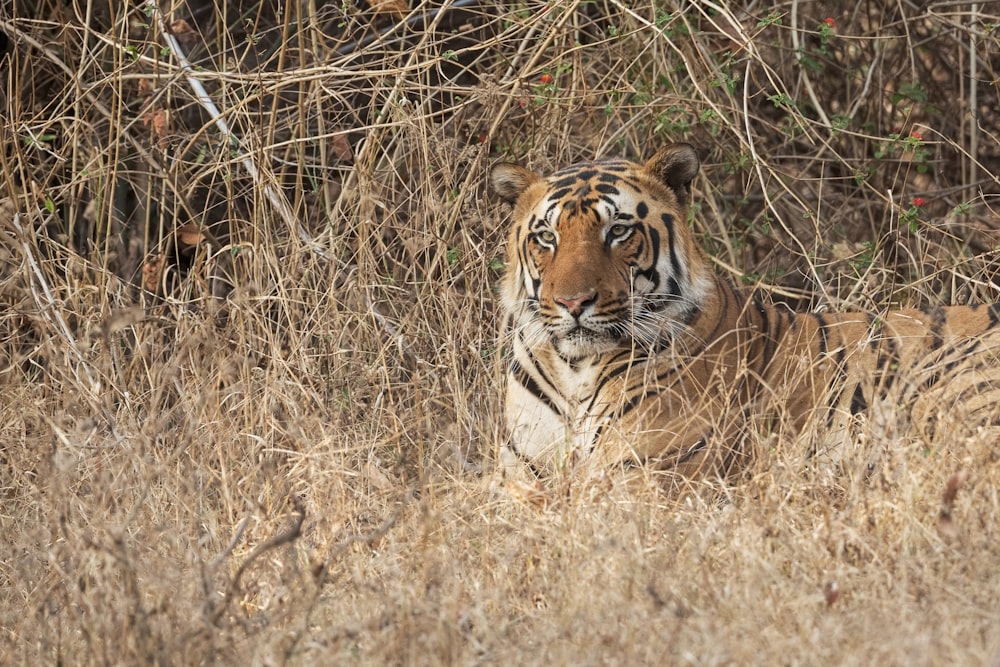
<point>582,343</point>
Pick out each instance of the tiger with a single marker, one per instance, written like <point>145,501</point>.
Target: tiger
<point>625,347</point>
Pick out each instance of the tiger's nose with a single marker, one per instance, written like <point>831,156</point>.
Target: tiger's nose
<point>574,305</point>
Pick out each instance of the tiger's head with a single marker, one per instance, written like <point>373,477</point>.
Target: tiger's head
<point>599,253</point>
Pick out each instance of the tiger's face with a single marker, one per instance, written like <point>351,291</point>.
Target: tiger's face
<point>599,254</point>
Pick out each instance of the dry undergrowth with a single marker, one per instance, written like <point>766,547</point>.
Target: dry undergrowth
<point>250,382</point>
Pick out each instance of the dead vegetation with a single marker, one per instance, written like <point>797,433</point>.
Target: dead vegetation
<point>249,361</point>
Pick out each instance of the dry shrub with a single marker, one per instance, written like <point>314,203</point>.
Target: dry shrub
<point>251,381</point>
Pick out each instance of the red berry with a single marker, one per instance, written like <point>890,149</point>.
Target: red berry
<point>917,136</point>
<point>829,21</point>
<point>919,201</point>
<point>545,78</point>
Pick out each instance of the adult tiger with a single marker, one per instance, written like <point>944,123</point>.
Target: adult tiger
<point>627,348</point>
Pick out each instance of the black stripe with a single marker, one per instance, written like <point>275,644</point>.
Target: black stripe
<point>837,381</point>
<point>521,376</point>
<point>607,377</point>
<point>968,348</point>
<point>558,194</point>
<point>612,369</point>
<point>585,174</point>
<point>654,250</point>
<point>982,388</point>
<point>728,296</point>
<point>765,328</point>
<point>695,449</point>
<point>874,327</point>
<point>653,276</point>
<point>994,313</point>
<point>858,402</point>
<point>597,435</point>
<point>641,247</point>
<point>690,315</point>
<point>824,334</point>
<point>551,207</point>
<point>784,320</point>
<point>675,265</point>
<point>632,404</point>
<point>641,393</point>
<point>729,464</point>
<point>529,463</point>
<point>673,289</point>
<point>538,368</point>
<point>938,320</point>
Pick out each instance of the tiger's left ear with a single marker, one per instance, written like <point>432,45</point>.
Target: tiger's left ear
<point>676,165</point>
<point>510,180</point>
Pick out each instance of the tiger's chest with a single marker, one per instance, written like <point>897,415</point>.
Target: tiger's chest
<point>554,416</point>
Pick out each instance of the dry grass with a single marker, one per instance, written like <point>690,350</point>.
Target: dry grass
<point>249,418</point>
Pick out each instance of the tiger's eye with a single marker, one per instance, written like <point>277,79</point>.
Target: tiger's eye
<point>546,236</point>
<point>618,230</point>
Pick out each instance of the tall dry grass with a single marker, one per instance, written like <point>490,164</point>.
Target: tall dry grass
<point>250,372</point>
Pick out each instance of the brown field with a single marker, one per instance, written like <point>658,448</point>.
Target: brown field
<point>250,382</point>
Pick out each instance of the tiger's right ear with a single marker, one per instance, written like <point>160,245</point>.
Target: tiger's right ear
<point>510,180</point>
<point>676,165</point>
